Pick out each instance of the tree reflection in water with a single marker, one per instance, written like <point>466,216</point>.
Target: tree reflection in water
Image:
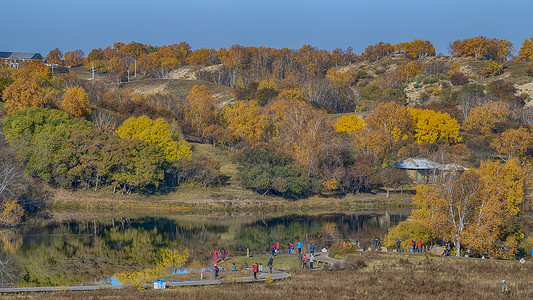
<point>88,251</point>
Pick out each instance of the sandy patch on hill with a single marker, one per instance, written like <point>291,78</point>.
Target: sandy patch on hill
<point>151,88</point>
<point>183,73</point>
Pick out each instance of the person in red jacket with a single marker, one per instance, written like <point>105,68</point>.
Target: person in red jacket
<point>419,246</point>
<point>277,248</point>
<point>255,269</point>
<point>304,261</point>
<point>412,244</point>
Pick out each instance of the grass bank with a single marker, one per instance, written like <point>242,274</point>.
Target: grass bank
<point>378,276</point>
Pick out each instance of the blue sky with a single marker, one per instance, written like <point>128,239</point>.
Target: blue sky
<point>39,26</point>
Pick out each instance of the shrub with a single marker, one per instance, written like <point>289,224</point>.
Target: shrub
<point>458,78</point>
<point>267,171</point>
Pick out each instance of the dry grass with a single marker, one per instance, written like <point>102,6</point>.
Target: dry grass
<point>386,277</point>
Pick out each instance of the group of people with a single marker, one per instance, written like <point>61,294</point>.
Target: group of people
<point>219,255</point>
<point>303,259</point>
<point>414,246</point>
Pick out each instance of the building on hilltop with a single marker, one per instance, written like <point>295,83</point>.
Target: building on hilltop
<point>421,170</point>
<point>13,59</point>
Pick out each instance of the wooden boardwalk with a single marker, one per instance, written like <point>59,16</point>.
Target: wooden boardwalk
<point>276,275</point>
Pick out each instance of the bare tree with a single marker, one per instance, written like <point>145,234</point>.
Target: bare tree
<point>104,122</point>
<point>10,178</point>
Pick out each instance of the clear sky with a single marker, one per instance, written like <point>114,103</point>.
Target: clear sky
<point>40,26</point>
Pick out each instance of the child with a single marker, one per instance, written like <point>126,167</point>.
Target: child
<point>234,267</point>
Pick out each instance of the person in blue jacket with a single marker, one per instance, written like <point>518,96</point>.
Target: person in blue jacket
<point>398,246</point>
<point>300,247</point>
<point>312,249</point>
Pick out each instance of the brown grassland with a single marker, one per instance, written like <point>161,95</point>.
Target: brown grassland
<point>372,276</point>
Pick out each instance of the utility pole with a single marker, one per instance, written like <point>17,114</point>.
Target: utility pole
<point>128,75</point>
<point>135,61</point>
<point>92,70</point>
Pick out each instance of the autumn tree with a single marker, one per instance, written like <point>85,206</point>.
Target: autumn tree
<point>202,109</point>
<point>526,50</point>
<point>246,120</point>
<point>155,132</point>
<point>54,57</point>
<point>305,133</point>
<point>351,123</point>
<point>410,69</point>
<point>485,119</point>
<point>33,85</point>
<point>416,49</point>
<point>76,102</point>
<point>513,143</point>
<point>74,58</point>
<point>482,47</point>
<point>492,68</point>
<point>432,127</point>
<point>392,118</point>
<point>474,208</point>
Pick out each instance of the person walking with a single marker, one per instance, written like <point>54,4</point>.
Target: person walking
<point>311,261</point>
<point>215,271</point>
<point>255,269</point>
<point>300,247</point>
<point>292,248</point>
<point>412,245</point>
<point>419,246</point>
<point>270,263</point>
<point>223,254</point>
<point>312,249</point>
<point>304,261</point>
<point>398,246</point>
<point>273,249</point>
<point>277,248</point>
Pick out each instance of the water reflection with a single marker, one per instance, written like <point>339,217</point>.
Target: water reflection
<point>90,251</point>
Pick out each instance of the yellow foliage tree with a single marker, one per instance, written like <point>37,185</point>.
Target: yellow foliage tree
<point>406,231</point>
<point>526,51</point>
<point>10,213</point>
<point>483,119</point>
<point>76,102</point>
<point>245,119</point>
<point>156,132</point>
<point>492,68</point>
<point>350,123</point>
<point>431,127</point>
<point>392,118</point>
<point>474,208</point>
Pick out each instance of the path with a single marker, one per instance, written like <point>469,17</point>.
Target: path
<point>276,275</point>
<point>324,258</point>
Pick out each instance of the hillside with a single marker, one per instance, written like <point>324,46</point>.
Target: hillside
<point>179,88</point>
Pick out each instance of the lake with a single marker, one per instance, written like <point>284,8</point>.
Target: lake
<point>89,251</point>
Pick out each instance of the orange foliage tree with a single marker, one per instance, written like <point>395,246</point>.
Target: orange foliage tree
<point>202,109</point>
<point>484,119</point>
<point>33,85</point>
<point>54,57</point>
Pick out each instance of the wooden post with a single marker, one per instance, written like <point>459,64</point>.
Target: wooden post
<point>247,252</point>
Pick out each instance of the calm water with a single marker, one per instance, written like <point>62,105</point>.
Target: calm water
<point>90,251</point>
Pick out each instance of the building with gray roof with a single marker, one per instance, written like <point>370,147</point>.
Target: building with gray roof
<point>13,59</point>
